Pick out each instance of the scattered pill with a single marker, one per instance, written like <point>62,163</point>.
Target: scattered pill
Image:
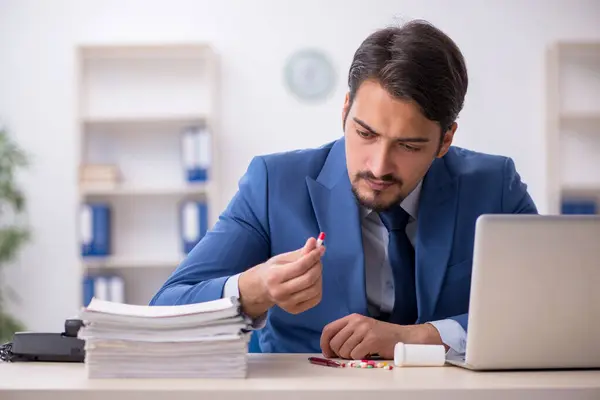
<point>367,364</point>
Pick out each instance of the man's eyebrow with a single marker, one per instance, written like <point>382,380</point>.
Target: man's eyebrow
<point>364,125</point>
<point>402,140</point>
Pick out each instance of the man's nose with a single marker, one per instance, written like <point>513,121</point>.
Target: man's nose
<point>381,162</point>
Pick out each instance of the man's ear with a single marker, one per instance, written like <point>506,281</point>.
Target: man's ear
<point>345,110</point>
<point>447,140</point>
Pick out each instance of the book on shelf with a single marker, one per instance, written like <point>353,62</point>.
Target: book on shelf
<point>193,223</point>
<point>103,287</point>
<point>196,152</point>
<point>579,207</point>
<point>99,176</point>
<point>202,340</point>
<point>95,220</point>
<point>98,172</point>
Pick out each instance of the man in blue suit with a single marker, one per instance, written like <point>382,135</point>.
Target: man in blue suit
<point>398,205</point>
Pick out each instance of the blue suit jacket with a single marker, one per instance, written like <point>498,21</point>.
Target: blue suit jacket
<point>287,197</point>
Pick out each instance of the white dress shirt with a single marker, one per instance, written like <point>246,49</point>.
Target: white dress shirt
<point>379,280</point>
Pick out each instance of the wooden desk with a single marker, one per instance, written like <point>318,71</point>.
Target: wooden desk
<point>291,377</point>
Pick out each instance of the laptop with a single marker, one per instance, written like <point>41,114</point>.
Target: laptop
<point>535,293</point>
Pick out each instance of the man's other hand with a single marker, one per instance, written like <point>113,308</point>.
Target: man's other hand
<point>356,337</point>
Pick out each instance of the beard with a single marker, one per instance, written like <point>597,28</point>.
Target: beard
<point>378,202</point>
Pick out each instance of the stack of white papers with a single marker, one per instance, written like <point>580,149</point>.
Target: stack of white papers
<point>204,340</point>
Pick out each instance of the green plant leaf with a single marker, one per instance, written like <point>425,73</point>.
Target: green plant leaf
<point>12,203</point>
<point>11,240</point>
<point>8,326</point>
<point>11,155</point>
<point>9,194</point>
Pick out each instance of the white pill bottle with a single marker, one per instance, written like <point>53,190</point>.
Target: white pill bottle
<point>419,355</point>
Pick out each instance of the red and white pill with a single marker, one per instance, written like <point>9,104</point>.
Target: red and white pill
<point>321,238</point>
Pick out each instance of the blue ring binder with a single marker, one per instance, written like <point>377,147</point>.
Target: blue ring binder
<point>95,222</point>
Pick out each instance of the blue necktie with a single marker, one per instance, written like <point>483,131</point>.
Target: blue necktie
<point>401,256</point>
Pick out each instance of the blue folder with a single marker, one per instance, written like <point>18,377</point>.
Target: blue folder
<point>95,222</point>
<point>103,286</point>
<point>579,207</point>
<point>196,153</point>
<point>88,290</point>
<point>193,223</point>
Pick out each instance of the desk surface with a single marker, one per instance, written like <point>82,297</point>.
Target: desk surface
<point>291,377</point>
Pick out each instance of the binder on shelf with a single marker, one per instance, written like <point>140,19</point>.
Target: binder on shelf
<point>95,225</point>
<point>579,207</point>
<point>103,287</point>
<point>196,153</point>
<point>88,290</point>
<point>116,289</point>
<point>193,223</point>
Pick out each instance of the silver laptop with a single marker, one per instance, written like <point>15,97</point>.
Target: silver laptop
<point>535,293</point>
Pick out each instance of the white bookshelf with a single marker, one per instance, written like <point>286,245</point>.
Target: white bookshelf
<point>132,262</point>
<point>134,102</point>
<point>147,190</point>
<point>573,123</point>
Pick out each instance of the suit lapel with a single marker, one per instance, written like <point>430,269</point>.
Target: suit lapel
<point>337,214</point>
<point>435,234</point>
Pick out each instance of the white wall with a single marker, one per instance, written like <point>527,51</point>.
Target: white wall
<point>503,41</point>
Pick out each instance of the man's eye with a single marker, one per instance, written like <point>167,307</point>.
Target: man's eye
<point>408,147</point>
<point>364,135</point>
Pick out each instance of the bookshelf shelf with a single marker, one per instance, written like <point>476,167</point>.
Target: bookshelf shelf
<point>133,262</point>
<point>145,119</point>
<point>197,189</point>
<point>138,106</point>
<point>571,117</point>
<point>574,190</point>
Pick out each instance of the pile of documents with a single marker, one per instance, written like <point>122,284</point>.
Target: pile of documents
<point>204,340</point>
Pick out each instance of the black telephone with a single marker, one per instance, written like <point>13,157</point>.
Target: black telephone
<point>42,346</point>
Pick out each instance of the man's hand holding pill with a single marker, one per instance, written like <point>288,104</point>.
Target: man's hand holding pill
<point>292,281</point>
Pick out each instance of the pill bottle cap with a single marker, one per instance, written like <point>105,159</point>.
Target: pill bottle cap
<point>399,354</point>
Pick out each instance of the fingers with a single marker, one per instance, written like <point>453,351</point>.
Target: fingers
<point>329,332</point>
<point>301,266</point>
<point>280,273</point>
<point>310,290</point>
<point>340,339</point>
<point>304,281</point>
<point>293,301</point>
<point>310,244</point>
<point>353,341</point>
<point>296,308</point>
<point>292,256</point>
<point>361,351</point>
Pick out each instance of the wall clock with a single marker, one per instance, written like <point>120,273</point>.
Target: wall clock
<point>309,75</point>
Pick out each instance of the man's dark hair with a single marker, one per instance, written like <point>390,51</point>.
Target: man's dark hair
<point>417,62</point>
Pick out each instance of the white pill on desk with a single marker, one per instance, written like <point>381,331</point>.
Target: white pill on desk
<point>419,355</point>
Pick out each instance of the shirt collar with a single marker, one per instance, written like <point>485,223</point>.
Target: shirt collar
<point>410,204</point>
